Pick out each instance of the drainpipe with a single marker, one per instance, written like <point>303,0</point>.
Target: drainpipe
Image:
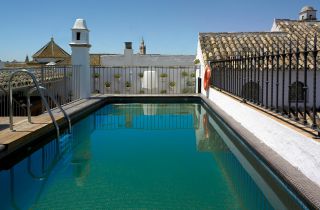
<point>199,78</point>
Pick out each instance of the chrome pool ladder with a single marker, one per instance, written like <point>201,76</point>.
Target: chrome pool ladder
<point>44,100</point>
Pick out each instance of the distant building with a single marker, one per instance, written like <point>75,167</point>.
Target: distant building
<point>308,13</point>
<point>128,58</point>
<point>27,59</point>
<point>1,64</point>
<point>143,48</point>
<point>51,52</point>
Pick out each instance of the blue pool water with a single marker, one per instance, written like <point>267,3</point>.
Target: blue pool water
<point>144,156</point>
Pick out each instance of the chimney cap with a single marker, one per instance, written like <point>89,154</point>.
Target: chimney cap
<point>128,45</point>
<point>80,24</point>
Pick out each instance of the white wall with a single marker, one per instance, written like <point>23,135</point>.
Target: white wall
<point>306,15</point>
<point>129,59</point>
<point>240,85</point>
<point>200,68</point>
<point>80,57</point>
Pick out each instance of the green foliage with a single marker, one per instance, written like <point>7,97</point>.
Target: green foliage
<point>184,74</point>
<point>96,75</point>
<point>163,91</point>
<point>69,74</point>
<point>190,83</point>
<point>128,84</point>
<point>117,76</point>
<point>107,84</point>
<point>172,84</point>
<point>163,75</point>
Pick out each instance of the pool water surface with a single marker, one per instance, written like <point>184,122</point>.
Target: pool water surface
<point>142,156</point>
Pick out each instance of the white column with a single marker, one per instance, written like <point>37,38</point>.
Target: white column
<point>81,57</point>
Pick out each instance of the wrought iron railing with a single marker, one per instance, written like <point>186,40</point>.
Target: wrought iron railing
<point>143,80</point>
<point>61,81</point>
<point>283,79</point>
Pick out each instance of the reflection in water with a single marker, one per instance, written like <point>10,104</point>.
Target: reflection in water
<point>250,182</point>
<point>205,126</point>
<point>81,153</point>
<point>147,116</point>
<point>81,162</point>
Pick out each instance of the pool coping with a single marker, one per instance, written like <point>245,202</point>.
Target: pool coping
<point>303,186</point>
<point>294,178</point>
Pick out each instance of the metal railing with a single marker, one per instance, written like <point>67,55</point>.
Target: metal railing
<point>40,88</point>
<point>18,107</point>
<point>61,81</point>
<point>283,79</point>
<point>143,80</point>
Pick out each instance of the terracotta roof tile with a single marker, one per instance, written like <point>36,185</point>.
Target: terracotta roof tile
<point>216,46</point>
<point>51,50</point>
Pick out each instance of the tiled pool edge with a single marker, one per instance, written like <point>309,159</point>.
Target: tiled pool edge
<point>307,189</point>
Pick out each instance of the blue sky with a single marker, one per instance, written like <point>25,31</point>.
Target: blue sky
<point>168,26</point>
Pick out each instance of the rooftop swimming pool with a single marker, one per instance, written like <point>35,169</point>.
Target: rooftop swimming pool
<point>144,156</point>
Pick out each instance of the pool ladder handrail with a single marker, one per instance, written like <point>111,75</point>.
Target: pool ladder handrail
<point>53,99</point>
<point>45,102</point>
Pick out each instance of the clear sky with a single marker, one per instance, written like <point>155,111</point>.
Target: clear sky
<point>168,26</point>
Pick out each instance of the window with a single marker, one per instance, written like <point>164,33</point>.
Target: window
<point>78,35</point>
<point>296,92</point>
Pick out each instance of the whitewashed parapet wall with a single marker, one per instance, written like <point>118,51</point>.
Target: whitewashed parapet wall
<point>143,80</point>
